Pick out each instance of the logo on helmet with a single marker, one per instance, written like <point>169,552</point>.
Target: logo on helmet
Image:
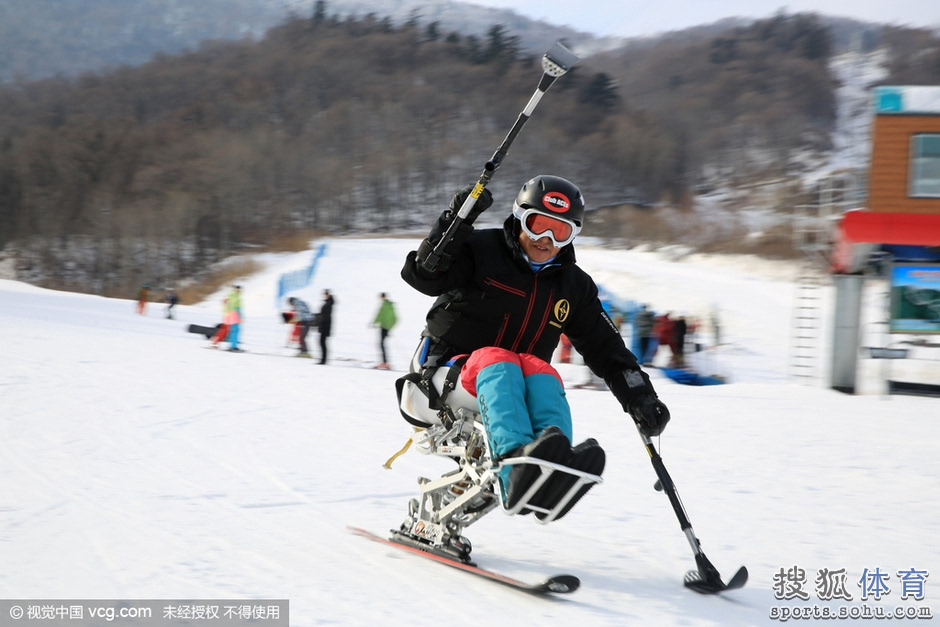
<point>556,201</point>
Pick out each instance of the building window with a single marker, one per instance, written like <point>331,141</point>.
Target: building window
<point>925,166</point>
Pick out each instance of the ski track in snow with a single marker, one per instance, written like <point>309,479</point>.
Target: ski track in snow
<point>135,464</point>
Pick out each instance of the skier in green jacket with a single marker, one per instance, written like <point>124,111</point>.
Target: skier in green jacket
<point>385,319</point>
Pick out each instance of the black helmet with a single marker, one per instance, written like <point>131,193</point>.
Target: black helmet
<point>554,198</point>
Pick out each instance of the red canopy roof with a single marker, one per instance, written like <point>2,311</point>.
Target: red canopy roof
<point>911,229</point>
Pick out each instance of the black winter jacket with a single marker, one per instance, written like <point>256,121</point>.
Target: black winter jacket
<point>325,328</point>
<point>490,296</point>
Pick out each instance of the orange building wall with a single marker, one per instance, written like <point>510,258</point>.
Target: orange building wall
<point>890,163</point>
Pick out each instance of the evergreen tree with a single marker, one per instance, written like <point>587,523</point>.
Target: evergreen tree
<point>601,92</point>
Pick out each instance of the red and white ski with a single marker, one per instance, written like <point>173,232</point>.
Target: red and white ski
<point>559,584</point>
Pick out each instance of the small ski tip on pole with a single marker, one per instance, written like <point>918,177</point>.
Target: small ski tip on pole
<point>558,60</point>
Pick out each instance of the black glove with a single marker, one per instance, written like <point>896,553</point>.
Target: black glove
<point>633,389</point>
<point>650,413</point>
<point>452,248</point>
<point>484,202</point>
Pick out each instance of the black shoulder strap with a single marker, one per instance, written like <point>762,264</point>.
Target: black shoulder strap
<point>415,378</point>
<point>436,398</point>
<point>450,381</point>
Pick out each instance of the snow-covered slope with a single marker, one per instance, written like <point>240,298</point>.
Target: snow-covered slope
<point>136,464</point>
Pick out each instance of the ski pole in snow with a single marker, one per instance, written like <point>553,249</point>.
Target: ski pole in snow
<point>705,580</point>
<point>555,62</point>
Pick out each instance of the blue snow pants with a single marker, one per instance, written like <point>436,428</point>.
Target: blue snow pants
<point>518,395</point>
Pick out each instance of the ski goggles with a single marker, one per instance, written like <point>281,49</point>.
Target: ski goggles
<point>537,225</point>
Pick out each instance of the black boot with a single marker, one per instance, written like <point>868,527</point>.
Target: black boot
<point>551,445</point>
<point>587,457</point>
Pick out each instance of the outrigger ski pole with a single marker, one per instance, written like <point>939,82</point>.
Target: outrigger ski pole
<point>705,580</point>
<point>556,62</point>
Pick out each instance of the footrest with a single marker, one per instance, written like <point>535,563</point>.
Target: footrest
<point>569,482</point>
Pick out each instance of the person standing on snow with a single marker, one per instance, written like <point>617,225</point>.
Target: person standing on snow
<point>326,323</point>
<point>222,331</point>
<point>679,330</point>
<point>385,319</point>
<point>231,320</point>
<point>504,298</point>
<point>643,327</point>
<point>170,298</point>
<point>143,296</point>
<point>303,318</point>
<point>663,330</point>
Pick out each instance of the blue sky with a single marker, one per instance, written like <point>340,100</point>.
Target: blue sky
<point>631,18</point>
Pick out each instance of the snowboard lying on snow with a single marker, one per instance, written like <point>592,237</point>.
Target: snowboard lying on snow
<point>201,330</point>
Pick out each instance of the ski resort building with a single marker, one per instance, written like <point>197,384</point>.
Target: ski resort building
<point>896,238</point>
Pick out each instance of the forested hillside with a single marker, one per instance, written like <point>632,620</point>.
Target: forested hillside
<point>758,96</point>
<point>42,38</point>
<point>761,90</point>
<point>153,172</point>
<point>45,38</point>
<point>150,173</point>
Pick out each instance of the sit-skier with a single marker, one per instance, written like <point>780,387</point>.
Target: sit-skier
<point>505,295</point>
